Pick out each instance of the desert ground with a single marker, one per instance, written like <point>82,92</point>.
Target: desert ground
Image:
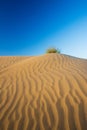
<point>47,92</point>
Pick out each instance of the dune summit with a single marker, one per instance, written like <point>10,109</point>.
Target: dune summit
<point>46,92</point>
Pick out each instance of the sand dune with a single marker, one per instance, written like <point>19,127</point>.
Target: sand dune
<point>46,92</point>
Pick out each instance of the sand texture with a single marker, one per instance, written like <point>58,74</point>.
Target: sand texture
<point>47,92</point>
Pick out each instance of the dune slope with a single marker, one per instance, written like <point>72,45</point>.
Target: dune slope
<point>46,92</point>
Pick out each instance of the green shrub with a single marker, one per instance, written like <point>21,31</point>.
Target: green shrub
<point>52,50</point>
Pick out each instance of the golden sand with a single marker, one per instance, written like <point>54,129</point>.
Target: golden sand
<point>46,92</point>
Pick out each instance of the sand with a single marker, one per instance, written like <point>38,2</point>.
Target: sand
<point>47,92</point>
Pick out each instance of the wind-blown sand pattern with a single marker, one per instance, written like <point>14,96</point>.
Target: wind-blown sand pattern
<point>46,92</point>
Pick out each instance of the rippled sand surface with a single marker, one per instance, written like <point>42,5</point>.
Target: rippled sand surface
<point>47,92</point>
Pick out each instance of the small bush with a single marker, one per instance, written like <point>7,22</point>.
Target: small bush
<point>52,50</point>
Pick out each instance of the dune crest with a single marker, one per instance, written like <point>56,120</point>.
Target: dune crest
<point>46,92</point>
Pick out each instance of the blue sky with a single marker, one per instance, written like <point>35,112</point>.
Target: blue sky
<point>29,27</point>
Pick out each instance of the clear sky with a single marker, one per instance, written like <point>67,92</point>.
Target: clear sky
<point>29,27</point>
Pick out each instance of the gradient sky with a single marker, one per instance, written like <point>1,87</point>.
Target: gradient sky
<point>29,27</point>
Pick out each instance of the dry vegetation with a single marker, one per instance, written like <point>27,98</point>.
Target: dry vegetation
<point>52,50</point>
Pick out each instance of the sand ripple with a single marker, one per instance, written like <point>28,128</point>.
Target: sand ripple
<point>46,92</point>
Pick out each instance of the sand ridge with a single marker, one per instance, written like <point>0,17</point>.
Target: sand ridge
<point>47,92</point>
